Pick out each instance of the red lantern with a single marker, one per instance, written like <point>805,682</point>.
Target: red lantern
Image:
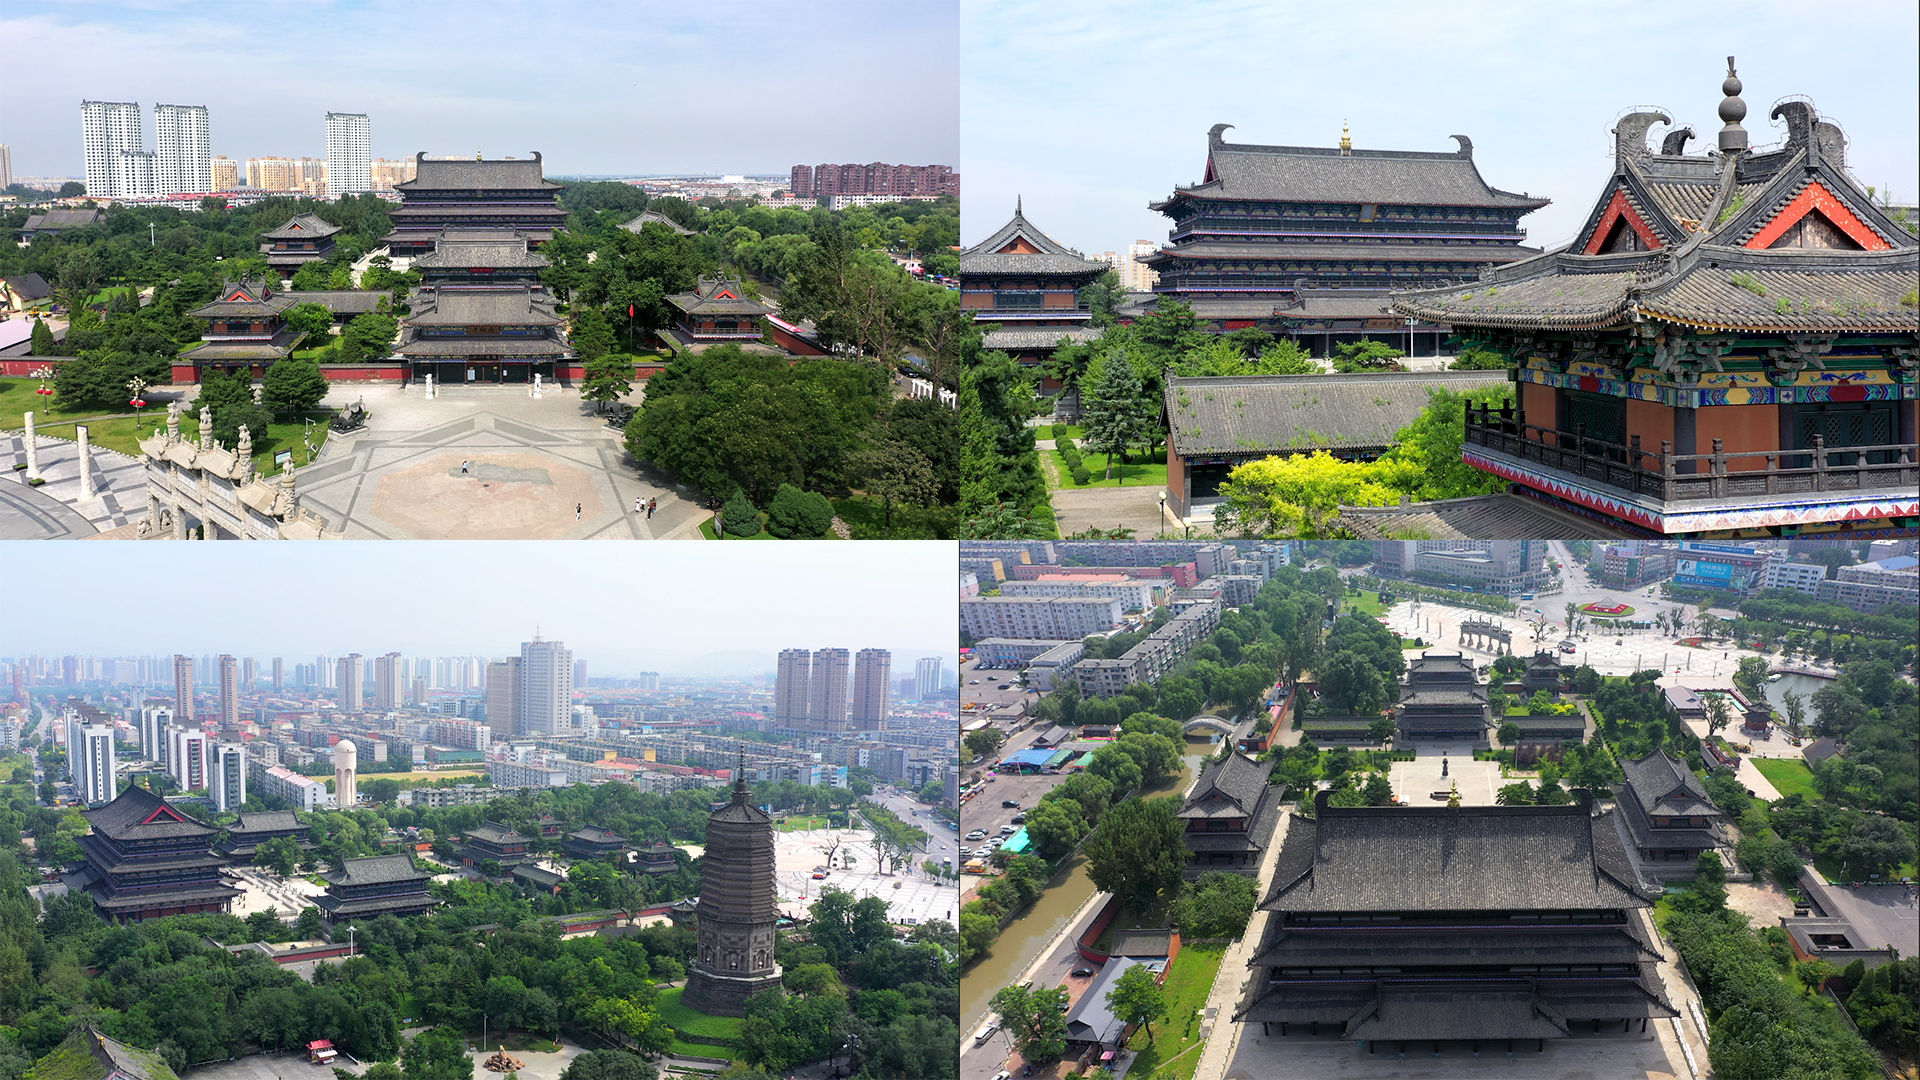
<point>138,403</point>
<point>44,392</point>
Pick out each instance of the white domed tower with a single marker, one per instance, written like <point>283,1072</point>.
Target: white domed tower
<point>345,760</point>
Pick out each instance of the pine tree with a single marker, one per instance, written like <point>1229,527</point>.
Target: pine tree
<point>1116,414</point>
<point>738,516</point>
<point>43,343</point>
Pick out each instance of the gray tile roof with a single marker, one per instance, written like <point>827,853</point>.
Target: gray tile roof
<point>515,306</point>
<point>1479,517</point>
<point>480,247</point>
<point>654,217</point>
<point>1327,175</point>
<point>718,296</point>
<point>264,821</point>
<point>301,227</point>
<point>377,869</point>
<point>250,297</point>
<point>1350,250</point>
<point>1689,281</point>
<point>495,833</point>
<point>1665,785</point>
<point>461,346</point>
<point>29,287</point>
<point>1469,858</point>
<point>53,220</point>
<point>1052,258</point>
<point>1256,415</point>
<point>1091,1019</point>
<point>1046,338</point>
<point>1230,788</point>
<point>594,834</point>
<point>463,174</point>
<point>138,813</point>
<point>339,301</point>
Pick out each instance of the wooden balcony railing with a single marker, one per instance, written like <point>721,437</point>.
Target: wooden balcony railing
<point>1673,477</point>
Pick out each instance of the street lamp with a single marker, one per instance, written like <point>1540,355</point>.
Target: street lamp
<point>1163,510</point>
<point>43,373</point>
<point>136,386</point>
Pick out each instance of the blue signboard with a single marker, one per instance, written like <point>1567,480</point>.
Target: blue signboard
<point>1696,572</point>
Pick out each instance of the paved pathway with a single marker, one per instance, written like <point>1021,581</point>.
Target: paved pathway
<point>1094,507</point>
<point>487,463</point>
<point>1231,982</point>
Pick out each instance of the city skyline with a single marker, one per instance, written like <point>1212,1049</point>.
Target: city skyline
<point>893,595</point>
<point>1538,125</point>
<point>652,63</point>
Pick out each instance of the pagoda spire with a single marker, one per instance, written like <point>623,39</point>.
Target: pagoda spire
<point>1733,137</point>
<point>740,792</point>
<point>1346,139</point>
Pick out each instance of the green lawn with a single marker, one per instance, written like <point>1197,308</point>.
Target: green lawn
<point>1138,469</point>
<point>815,821</point>
<point>17,396</point>
<point>866,518</point>
<point>1367,603</point>
<point>1790,776</point>
<point>723,1030</point>
<point>1174,1051</point>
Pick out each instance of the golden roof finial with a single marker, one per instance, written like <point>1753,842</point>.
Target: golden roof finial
<point>1453,796</point>
<point>476,155</point>
<point>1346,138</point>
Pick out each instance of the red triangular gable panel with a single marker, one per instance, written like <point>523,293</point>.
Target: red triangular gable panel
<point>1815,197</point>
<point>164,811</point>
<point>725,294</point>
<point>1019,245</point>
<point>1209,177</point>
<point>239,295</point>
<point>1619,208</point>
<point>296,226</point>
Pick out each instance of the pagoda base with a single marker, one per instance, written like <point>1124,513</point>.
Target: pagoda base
<point>725,995</point>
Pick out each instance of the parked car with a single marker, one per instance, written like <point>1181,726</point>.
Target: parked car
<point>1081,973</point>
<point>977,834</point>
<point>1011,804</point>
<point>1019,819</point>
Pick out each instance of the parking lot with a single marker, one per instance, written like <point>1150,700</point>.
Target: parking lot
<point>982,686</point>
<point>797,854</point>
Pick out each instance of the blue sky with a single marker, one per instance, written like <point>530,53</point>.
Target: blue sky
<point>671,607</point>
<point>627,86</point>
<point>1092,110</point>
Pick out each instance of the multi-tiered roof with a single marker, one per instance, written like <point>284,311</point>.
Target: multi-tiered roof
<point>1454,923</point>
<point>374,886</point>
<point>1269,231</point>
<point>480,257</point>
<point>303,239</point>
<point>1027,284</point>
<point>1729,345</point>
<point>509,193</point>
<point>145,859</point>
<point>1229,816</point>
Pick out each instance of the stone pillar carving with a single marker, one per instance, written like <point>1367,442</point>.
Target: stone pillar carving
<point>173,422</point>
<point>536,384</point>
<point>33,450</point>
<point>86,461</point>
<point>206,429</point>
<point>179,516</point>
<point>429,384</point>
<point>256,395</point>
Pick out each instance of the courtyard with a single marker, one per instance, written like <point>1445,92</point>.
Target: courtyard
<point>917,899</point>
<point>487,463</point>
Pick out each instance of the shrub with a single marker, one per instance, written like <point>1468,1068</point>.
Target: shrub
<point>1058,431</point>
<point>739,516</point>
<point>1081,476</point>
<point>795,514</point>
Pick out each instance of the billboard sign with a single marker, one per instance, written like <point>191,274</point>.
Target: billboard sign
<point>1702,574</point>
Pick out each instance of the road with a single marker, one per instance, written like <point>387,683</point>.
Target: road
<point>1050,969</point>
<point>942,842</point>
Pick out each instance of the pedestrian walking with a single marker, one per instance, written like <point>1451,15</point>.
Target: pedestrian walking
<point>576,511</point>
<point>463,468</point>
<point>652,505</point>
<point>639,505</point>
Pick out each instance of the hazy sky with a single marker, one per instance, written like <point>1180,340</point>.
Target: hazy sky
<point>1092,110</point>
<point>672,607</point>
<point>639,86</point>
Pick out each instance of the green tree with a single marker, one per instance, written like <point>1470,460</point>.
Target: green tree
<point>43,343</point>
<point>1137,852</point>
<point>1378,790</point>
<point>896,472</point>
<point>310,319</point>
<point>1218,905</point>
<point>1118,416</point>
<point>367,337</point>
<point>609,1064</point>
<point>437,1054</point>
<point>985,741</point>
<point>293,385</point>
<point>592,334</point>
<point>1136,998</point>
<point>738,516</point>
<point>608,379</point>
<point>1055,825</point>
<point>1034,1019</point>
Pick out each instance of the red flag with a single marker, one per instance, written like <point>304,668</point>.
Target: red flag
<point>629,311</point>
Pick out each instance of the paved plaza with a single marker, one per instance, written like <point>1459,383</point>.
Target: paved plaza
<point>55,510</point>
<point>487,463</point>
<point>1414,782</point>
<point>796,854</point>
<point>263,890</point>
